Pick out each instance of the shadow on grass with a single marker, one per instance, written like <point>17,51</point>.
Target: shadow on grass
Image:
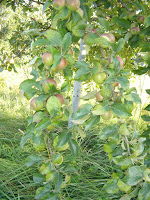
<point>15,178</point>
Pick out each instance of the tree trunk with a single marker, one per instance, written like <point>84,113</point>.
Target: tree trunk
<point>77,84</point>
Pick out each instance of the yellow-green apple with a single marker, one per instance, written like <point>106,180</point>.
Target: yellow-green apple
<point>99,77</point>
<point>47,58</point>
<point>73,4</point>
<point>107,115</point>
<point>46,85</point>
<point>99,97</point>
<point>58,4</point>
<point>36,104</point>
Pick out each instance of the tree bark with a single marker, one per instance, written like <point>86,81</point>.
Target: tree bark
<point>77,84</point>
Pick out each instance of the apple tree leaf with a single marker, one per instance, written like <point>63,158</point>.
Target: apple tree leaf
<point>134,176</point>
<point>124,82</point>
<point>111,186</point>
<point>120,110</point>
<point>74,147</point>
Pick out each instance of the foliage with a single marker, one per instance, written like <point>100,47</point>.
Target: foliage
<point>117,43</point>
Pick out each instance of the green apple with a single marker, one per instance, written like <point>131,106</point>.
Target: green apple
<point>73,4</point>
<point>47,84</point>
<point>99,77</point>
<point>36,104</point>
<point>107,115</point>
<point>47,59</point>
<point>58,4</point>
<point>99,97</point>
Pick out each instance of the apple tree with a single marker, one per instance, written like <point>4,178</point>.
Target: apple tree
<point>89,42</point>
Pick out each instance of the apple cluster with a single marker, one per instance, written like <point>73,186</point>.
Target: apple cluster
<point>72,5</point>
<point>47,59</point>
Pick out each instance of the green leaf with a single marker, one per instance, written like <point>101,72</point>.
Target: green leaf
<point>111,186</point>
<point>125,197</point>
<point>120,45</point>
<point>25,138</point>
<point>43,124</point>
<point>109,131</point>
<point>82,71</point>
<point>27,84</point>
<point>58,182</point>
<point>124,82</point>
<point>41,191</point>
<point>66,41</point>
<point>81,64</point>
<point>50,196</point>
<point>147,20</point>
<point>56,61</point>
<point>120,110</point>
<point>123,187</point>
<point>90,40</point>
<point>32,159</point>
<point>122,161</point>
<point>62,14</point>
<point>90,95</point>
<point>104,23</point>
<point>146,118</point>
<point>53,36</point>
<point>147,108</point>
<point>144,193</point>
<point>109,147</point>
<point>92,122</point>
<point>30,93</point>
<point>81,121</point>
<point>82,111</point>
<point>122,22</point>
<point>140,71</point>
<point>38,116</point>
<point>148,91</point>
<point>134,176</point>
<point>31,32</point>
<point>53,105</point>
<point>74,147</point>
<point>63,139</point>
<point>100,109</point>
<point>38,178</point>
<point>40,41</point>
<point>45,6</point>
<point>79,29</point>
<point>135,98</point>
